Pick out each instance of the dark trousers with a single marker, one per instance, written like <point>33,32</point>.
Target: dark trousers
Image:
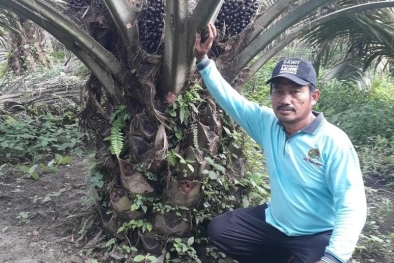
<point>244,235</point>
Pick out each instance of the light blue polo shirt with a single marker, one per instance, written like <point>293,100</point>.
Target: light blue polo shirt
<point>315,178</point>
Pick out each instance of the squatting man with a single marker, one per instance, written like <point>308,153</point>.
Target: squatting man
<point>317,207</point>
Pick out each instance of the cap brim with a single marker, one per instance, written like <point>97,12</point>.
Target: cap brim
<point>289,77</point>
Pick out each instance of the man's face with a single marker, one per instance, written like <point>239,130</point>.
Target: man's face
<point>291,102</point>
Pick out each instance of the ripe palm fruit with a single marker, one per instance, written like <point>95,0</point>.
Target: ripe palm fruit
<point>234,16</point>
<point>151,25</point>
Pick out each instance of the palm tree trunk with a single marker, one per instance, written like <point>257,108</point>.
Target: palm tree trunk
<point>27,46</point>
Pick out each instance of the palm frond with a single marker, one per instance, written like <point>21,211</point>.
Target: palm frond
<point>354,43</point>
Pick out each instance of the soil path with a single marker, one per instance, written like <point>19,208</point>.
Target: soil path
<point>40,219</point>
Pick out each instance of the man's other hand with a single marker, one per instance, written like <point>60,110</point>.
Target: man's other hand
<point>201,48</point>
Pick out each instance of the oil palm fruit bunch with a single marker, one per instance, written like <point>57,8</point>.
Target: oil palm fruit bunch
<point>151,25</point>
<point>234,16</point>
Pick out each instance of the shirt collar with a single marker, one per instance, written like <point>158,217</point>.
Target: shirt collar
<point>312,127</point>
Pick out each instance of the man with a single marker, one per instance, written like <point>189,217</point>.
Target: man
<point>318,207</point>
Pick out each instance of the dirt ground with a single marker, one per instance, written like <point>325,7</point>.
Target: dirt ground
<point>40,220</point>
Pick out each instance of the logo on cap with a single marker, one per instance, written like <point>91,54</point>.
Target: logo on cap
<point>289,67</point>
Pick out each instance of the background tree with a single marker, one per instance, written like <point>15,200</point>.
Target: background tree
<point>352,44</point>
<point>169,158</point>
<point>26,43</point>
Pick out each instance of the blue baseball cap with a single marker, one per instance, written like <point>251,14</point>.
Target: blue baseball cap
<point>295,69</point>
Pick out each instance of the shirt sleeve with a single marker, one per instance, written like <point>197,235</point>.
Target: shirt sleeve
<point>346,185</point>
<point>249,115</point>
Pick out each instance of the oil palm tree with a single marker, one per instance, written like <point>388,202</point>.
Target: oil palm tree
<point>169,158</point>
<point>26,42</point>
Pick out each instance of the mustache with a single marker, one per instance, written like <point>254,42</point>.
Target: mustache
<point>284,107</point>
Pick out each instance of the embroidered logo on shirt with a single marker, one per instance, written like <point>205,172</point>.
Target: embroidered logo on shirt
<point>289,67</point>
<point>313,156</point>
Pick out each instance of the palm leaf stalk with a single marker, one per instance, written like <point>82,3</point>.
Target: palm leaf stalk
<point>362,40</point>
<point>252,49</point>
<point>333,26</point>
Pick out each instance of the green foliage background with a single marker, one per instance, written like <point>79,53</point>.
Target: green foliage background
<point>38,132</point>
